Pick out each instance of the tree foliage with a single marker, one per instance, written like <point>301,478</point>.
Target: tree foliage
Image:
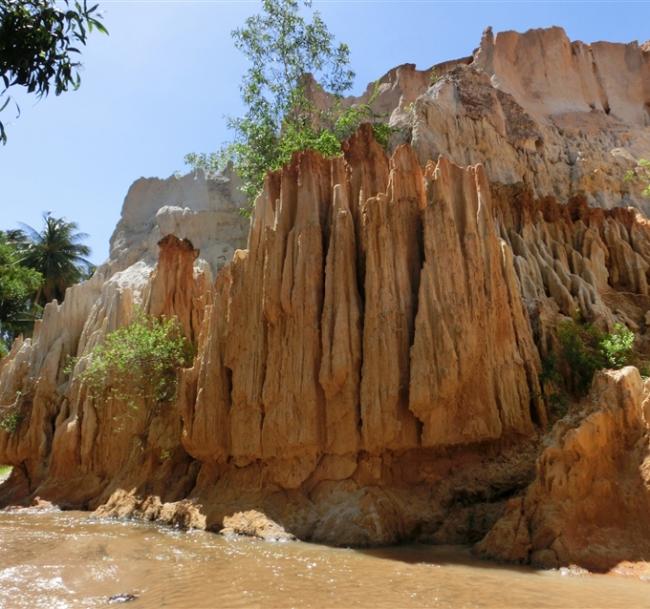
<point>139,361</point>
<point>39,45</point>
<point>286,52</point>
<point>18,285</point>
<point>57,253</point>
<point>616,347</point>
<point>36,267</point>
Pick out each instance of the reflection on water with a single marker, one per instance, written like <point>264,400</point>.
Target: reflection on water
<point>57,560</point>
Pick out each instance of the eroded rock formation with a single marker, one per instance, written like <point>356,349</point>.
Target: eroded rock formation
<point>561,117</point>
<point>591,495</point>
<point>367,369</point>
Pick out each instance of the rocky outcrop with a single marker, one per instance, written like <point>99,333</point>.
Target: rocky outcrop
<point>552,76</point>
<point>206,211</point>
<point>590,499</point>
<point>54,421</point>
<point>367,363</point>
<point>474,370</point>
<point>564,118</point>
<point>367,369</point>
<point>574,259</point>
<point>280,387</point>
<point>292,370</point>
<point>254,524</point>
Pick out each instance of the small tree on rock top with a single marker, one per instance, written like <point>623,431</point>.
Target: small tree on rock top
<point>284,49</point>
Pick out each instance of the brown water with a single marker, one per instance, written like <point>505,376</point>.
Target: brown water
<point>57,560</point>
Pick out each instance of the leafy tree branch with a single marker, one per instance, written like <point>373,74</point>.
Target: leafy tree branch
<point>39,44</point>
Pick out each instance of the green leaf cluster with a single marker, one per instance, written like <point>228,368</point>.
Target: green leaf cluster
<point>584,349</point>
<point>286,53</point>
<point>139,362</point>
<point>38,44</point>
<point>616,348</point>
<point>580,354</point>
<point>10,421</point>
<point>18,285</point>
<point>641,173</point>
<point>35,268</point>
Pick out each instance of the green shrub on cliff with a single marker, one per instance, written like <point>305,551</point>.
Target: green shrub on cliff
<point>617,346</point>
<point>580,355</point>
<point>10,421</point>
<point>139,362</point>
<point>641,173</point>
<point>583,350</point>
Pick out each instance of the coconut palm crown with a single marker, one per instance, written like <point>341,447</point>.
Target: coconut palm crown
<point>57,252</point>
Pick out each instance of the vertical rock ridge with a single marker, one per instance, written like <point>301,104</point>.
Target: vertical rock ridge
<point>174,291</point>
<point>291,391</point>
<point>340,368</point>
<point>391,230</point>
<point>469,379</point>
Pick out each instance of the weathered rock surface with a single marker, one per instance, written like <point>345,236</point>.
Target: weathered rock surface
<point>203,210</point>
<point>590,499</point>
<point>367,370</point>
<point>254,524</point>
<point>564,118</point>
<point>281,411</point>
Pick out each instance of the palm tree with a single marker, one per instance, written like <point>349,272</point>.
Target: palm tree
<point>57,252</point>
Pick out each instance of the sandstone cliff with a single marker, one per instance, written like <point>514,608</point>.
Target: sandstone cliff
<point>562,117</point>
<point>368,368</point>
<point>590,498</point>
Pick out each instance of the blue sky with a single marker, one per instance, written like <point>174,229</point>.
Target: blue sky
<point>160,85</point>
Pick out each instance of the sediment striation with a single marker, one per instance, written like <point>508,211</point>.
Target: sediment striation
<point>367,369</point>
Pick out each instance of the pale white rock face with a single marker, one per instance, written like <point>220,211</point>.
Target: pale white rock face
<point>206,211</point>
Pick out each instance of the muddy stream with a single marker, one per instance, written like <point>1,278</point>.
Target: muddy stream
<point>58,560</point>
